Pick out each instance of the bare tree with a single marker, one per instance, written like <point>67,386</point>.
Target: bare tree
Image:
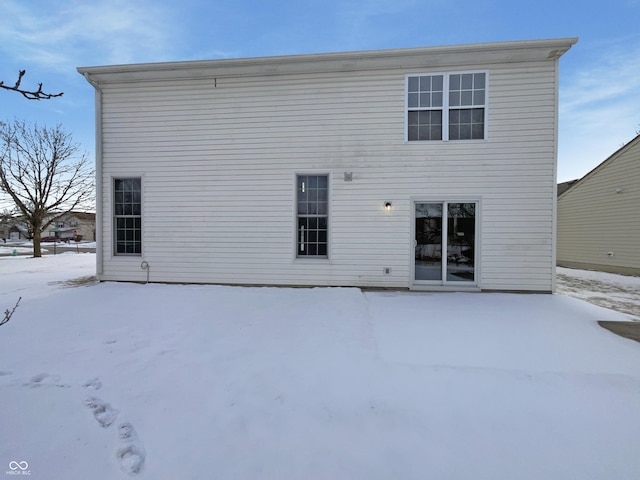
<point>44,173</point>
<point>29,94</point>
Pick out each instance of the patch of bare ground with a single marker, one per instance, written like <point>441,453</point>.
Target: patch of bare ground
<point>609,292</point>
<point>619,297</point>
<point>77,282</point>
<point>624,329</point>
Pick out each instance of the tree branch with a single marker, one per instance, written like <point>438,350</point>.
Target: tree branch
<point>29,94</point>
<point>8,313</point>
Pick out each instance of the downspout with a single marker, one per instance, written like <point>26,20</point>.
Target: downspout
<point>99,186</point>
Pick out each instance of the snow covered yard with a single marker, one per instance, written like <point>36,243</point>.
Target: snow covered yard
<point>108,381</point>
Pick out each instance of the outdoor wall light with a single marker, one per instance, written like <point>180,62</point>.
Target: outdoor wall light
<point>387,206</point>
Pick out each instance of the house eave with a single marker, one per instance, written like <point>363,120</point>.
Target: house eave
<point>409,58</point>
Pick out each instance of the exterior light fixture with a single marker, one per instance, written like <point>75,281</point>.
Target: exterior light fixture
<point>387,206</point>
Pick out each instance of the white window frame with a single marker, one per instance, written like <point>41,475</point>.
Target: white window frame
<point>445,106</point>
<point>444,284</point>
<point>114,217</point>
<point>311,258</point>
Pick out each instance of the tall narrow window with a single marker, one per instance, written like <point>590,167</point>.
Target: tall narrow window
<point>127,207</point>
<point>313,215</point>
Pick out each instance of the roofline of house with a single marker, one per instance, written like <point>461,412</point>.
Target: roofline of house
<point>608,160</point>
<point>420,57</point>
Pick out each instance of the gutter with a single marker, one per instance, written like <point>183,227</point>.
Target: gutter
<point>99,187</point>
<point>404,59</point>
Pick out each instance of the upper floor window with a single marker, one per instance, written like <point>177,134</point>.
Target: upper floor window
<point>446,106</point>
<point>127,207</point>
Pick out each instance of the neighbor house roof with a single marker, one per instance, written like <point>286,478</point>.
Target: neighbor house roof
<point>562,187</point>
<point>610,159</point>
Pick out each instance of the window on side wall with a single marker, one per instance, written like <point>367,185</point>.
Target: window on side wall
<point>127,221</point>
<point>312,216</point>
<point>446,106</point>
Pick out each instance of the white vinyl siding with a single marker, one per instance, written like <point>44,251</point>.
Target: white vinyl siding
<point>599,217</point>
<point>220,155</point>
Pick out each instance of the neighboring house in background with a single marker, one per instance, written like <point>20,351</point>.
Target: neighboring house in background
<point>66,227</point>
<point>5,226</point>
<point>72,225</point>
<point>12,229</point>
<point>422,168</point>
<point>19,231</point>
<point>599,216</point>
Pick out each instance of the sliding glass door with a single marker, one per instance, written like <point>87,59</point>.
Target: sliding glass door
<point>445,242</point>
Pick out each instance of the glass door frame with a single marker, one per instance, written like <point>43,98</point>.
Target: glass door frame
<point>445,284</point>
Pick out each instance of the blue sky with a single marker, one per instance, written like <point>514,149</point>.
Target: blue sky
<point>599,77</point>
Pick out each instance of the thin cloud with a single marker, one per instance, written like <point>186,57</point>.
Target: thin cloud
<point>67,35</point>
<point>359,19</point>
<point>616,74</point>
<point>599,107</point>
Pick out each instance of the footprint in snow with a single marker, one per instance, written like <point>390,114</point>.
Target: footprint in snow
<point>102,411</point>
<point>131,454</point>
<point>93,384</point>
<point>45,380</point>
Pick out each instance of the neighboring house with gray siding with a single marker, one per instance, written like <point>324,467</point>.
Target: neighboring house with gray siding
<point>599,216</point>
<point>422,168</point>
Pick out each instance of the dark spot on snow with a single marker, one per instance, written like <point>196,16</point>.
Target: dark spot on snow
<point>38,378</point>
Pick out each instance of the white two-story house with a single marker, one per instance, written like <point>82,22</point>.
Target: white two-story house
<point>421,168</point>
